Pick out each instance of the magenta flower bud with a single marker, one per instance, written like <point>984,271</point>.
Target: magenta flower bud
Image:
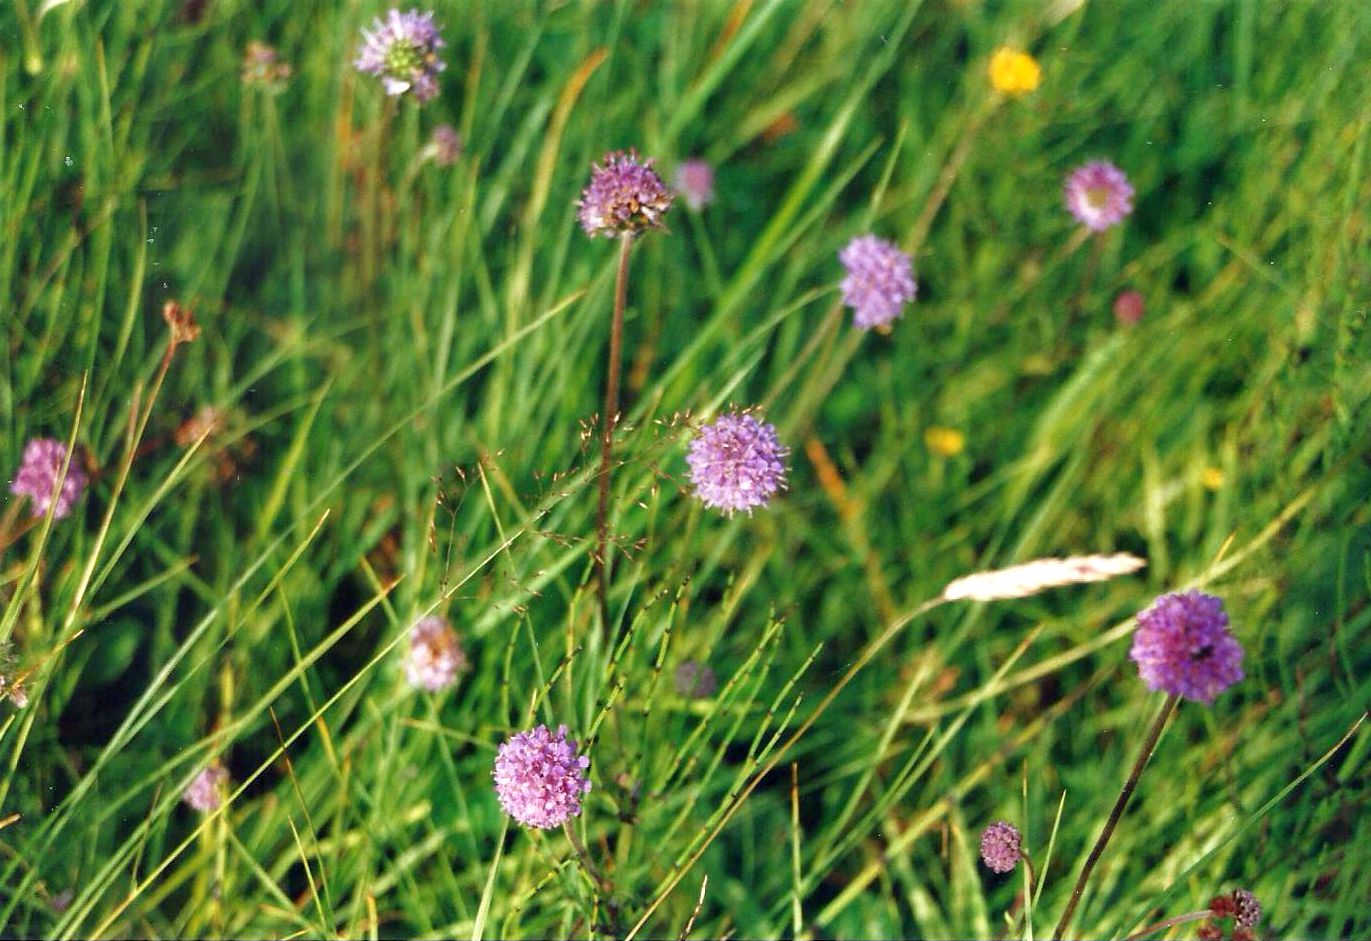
<point>879,282</point>
<point>206,792</point>
<point>737,463</point>
<point>540,779</point>
<point>37,478</point>
<point>1183,647</point>
<point>1128,308</point>
<point>1001,846</point>
<point>1098,195</point>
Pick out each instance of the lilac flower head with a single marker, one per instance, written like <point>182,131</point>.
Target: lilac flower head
<point>1001,846</point>
<point>1098,195</point>
<point>695,182</point>
<point>445,146</point>
<point>402,49</point>
<point>38,473</point>
<point>539,778</point>
<point>879,282</point>
<point>206,792</point>
<point>625,195</point>
<point>1183,646</point>
<point>435,658</point>
<point>695,680</point>
<point>1247,910</point>
<point>737,463</point>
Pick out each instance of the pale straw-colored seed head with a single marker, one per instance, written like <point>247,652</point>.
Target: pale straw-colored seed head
<point>1030,578</point>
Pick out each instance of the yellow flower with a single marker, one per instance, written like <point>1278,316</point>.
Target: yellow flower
<point>946,442</point>
<point>1212,478</point>
<point>1014,72</point>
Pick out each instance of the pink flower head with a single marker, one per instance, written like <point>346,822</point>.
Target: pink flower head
<point>37,478</point>
<point>540,779</point>
<point>445,145</point>
<point>435,658</point>
<point>1001,846</point>
<point>1098,195</point>
<point>1183,647</point>
<point>624,196</point>
<point>1128,308</point>
<point>402,50</point>
<point>737,463</point>
<point>879,282</point>
<point>695,182</point>
<point>206,792</point>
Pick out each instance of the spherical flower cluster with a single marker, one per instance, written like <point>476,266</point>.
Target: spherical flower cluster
<point>1128,308</point>
<point>1247,910</point>
<point>625,195</point>
<point>1001,846</point>
<point>1013,72</point>
<point>695,182</point>
<point>402,49</point>
<point>540,779</point>
<point>1183,646</point>
<point>435,658</point>
<point>206,792</point>
<point>737,463</point>
<point>879,282</point>
<point>38,473</point>
<point>695,680</point>
<point>444,146</point>
<point>1098,195</point>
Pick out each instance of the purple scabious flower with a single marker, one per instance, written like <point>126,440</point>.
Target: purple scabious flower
<point>1098,195</point>
<point>625,195</point>
<point>206,792</point>
<point>1001,846</point>
<point>695,680</point>
<point>38,473</point>
<point>737,463</point>
<point>540,779</point>
<point>445,146</point>
<point>1247,911</point>
<point>1183,646</point>
<point>695,182</point>
<point>402,50</point>
<point>435,658</point>
<point>879,282</point>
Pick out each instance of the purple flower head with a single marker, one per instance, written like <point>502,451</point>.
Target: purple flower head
<point>435,658</point>
<point>695,680</point>
<point>737,463</point>
<point>879,282</point>
<point>402,49</point>
<point>539,778</point>
<point>1128,308</point>
<point>1001,846</point>
<point>445,146</point>
<point>1098,195</point>
<point>38,473</point>
<point>695,182</point>
<point>206,792</point>
<point>1247,910</point>
<point>625,195</point>
<point>1182,646</point>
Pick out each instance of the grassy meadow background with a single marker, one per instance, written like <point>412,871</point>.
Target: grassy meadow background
<point>410,362</point>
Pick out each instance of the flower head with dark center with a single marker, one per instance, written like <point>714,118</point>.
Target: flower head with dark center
<point>206,792</point>
<point>37,478</point>
<point>695,182</point>
<point>435,658</point>
<point>1099,195</point>
<point>539,777</point>
<point>879,282</point>
<point>402,50</point>
<point>624,196</point>
<point>737,463</point>
<point>1183,646</point>
<point>1001,846</point>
